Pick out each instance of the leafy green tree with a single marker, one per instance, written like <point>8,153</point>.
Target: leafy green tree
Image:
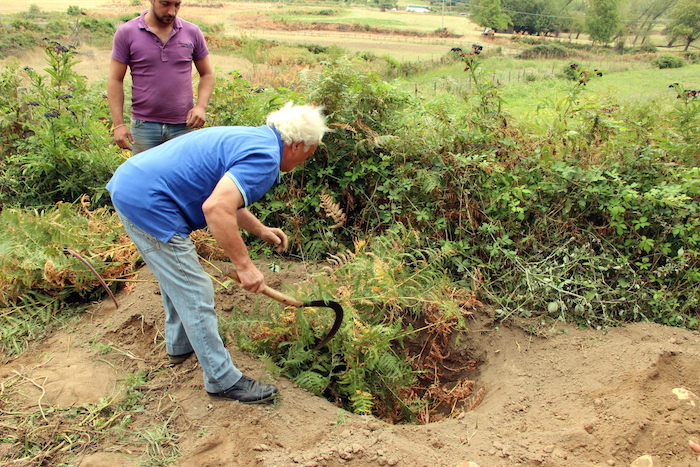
<point>490,15</point>
<point>536,16</point>
<point>686,23</point>
<point>603,20</point>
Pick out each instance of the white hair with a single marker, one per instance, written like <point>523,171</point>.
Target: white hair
<point>305,123</point>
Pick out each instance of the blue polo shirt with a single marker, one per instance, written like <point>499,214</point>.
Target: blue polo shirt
<point>162,190</point>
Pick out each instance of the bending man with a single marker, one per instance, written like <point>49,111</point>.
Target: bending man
<point>208,178</point>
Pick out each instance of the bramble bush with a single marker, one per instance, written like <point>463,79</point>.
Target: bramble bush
<point>668,61</point>
<point>577,225</point>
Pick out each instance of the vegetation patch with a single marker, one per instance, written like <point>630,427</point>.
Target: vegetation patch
<point>393,356</point>
<point>668,61</point>
<point>428,207</point>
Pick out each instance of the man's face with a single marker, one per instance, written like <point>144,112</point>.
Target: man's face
<point>296,155</point>
<point>165,11</point>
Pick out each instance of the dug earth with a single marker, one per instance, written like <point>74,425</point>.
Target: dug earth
<point>562,396</point>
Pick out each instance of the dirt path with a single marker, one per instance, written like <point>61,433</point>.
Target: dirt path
<point>571,398</point>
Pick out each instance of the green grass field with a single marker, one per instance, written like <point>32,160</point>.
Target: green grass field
<point>523,81</point>
<point>527,85</point>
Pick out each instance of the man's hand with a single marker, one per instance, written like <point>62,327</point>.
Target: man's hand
<point>196,117</point>
<point>123,138</point>
<point>252,279</point>
<point>275,236</point>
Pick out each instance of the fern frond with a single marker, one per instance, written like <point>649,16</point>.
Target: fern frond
<point>333,210</point>
<point>362,402</point>
<point>342,258</point>
<point>312,381</point>
<point>344,126</point>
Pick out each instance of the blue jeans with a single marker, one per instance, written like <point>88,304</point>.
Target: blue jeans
<point>188,298</point>
<point>150,134</point>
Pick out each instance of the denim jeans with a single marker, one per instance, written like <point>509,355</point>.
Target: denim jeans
<point>150,134</point>
<point>188,298</point>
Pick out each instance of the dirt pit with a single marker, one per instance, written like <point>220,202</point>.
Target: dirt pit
<point>569,397</point>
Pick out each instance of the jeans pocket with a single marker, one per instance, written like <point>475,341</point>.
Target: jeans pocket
<point>150,243</point>
<point>144,242</point>
<point>136,123</point>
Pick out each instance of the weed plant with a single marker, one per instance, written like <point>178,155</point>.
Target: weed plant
<point>41,436</point>
<point>63,150</point>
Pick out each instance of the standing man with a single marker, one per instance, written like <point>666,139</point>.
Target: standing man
<point>208,178</point>
<point>159,48</point>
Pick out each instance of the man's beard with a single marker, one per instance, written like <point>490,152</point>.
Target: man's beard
<point>165,19</point>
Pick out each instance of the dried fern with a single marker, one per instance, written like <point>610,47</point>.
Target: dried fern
<point>341,258</point>
<point>392,290</point>
<point>333,210</point>
<point>38,275</point>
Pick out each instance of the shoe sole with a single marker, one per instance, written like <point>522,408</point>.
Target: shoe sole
<point>261,401</point>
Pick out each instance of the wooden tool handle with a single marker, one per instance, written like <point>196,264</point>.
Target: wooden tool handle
<point>272,293</point>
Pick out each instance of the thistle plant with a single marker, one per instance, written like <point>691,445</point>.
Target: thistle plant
<point>489,101</point>
<point>65,150</point>
<point>684,121</point>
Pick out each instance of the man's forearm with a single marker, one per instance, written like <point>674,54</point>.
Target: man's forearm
<point>115,98</point>
<point>248,222</point>
<point>205,90</point>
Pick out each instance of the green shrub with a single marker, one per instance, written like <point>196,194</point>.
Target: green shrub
<point>75,11</point>
<point>98,25</point>
<point>15,43</point>
<point>128,16</point>
<point>691,56</point>
<point>25,25</point>
<point>668,61</point>
<point>542,51</point>
<point>646,48</point>
<point>63,150</point>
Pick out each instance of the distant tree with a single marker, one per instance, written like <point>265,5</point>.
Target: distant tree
<point>686,22</point>
<point>532,16</point>
<point>490,15</point>
<point>646,14</point>
<point>536,16</point>
<point>603,20</point>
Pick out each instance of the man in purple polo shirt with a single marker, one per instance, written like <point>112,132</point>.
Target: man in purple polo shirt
<point>159,49</point>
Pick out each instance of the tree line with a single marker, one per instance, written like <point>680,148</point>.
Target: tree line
<point>604,21</point>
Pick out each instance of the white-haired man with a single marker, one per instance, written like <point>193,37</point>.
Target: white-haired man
<point>208,178</point>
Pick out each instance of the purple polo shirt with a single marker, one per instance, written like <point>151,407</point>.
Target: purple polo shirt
<point>161,74</point>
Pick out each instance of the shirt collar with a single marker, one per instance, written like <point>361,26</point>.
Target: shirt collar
<point>281,144</point>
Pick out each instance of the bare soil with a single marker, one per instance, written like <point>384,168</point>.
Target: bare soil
<point>561,397</point>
